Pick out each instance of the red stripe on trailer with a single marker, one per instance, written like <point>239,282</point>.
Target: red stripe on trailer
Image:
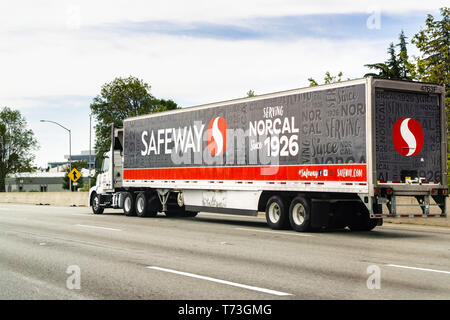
<point>340,172</point>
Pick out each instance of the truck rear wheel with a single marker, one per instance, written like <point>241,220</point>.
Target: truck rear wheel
<point>143,206</point>
<point>277,213</point>
<point>300,214</point>
<point>190,214</point>
<point>154,206</point>
<point>95,203</point>
<point>129,208</point>
<point>173,210</point>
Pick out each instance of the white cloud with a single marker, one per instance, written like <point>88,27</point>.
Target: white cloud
<point>43,57</point>
<point>189,69</point>
<point>57,14</point>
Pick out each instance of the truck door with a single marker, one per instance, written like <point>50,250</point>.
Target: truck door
<point>408,137</point>
<point>104,177</point>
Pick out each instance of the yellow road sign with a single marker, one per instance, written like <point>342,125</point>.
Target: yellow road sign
<point>74,175</point>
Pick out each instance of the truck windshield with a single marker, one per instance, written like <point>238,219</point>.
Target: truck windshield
<point>105,165</point>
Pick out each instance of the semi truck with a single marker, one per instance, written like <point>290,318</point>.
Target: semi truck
<point>330,156</point>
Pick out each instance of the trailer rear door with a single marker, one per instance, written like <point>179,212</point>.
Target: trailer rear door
<point>408,141</point>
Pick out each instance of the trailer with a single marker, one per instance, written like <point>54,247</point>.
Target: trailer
<point>337,155</point>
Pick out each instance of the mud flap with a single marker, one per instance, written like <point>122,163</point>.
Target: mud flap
<point>320,214</point>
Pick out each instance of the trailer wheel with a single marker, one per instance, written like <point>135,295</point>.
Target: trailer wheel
<point>95,203</point>
<point>300,214</point>
<point>276,213</point>
<point>129,208</point>
<point>142,205</point>
<point>190,214</point>
<point>173,210</point>
<point>154,206</point>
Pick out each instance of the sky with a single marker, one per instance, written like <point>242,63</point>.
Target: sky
<point>56,55</point>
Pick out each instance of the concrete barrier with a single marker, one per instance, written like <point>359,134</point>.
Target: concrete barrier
<point>80,199</point>
<point>65,199</point>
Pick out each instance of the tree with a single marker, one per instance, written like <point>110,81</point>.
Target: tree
<point>397,66</point>
<point>250,93</point>
<point>433,64</point>
<point>120,99</point>
<point>383,70</point>
<point>66,183</point>
<point>327,79</point>
<point>16,144</point>
<point>389,69</point>
<point>393,62</point>
<point>433,42</point>
<point>406,68</point>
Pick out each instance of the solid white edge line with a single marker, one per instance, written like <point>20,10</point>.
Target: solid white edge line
<point>96,227</point>
<point>192,275</point>
<point>415,268</point>
<point>275,232</point>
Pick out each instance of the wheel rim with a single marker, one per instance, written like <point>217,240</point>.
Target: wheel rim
<point>127,204</point>
<point>95,204</point>
<point>298,214</point>
<point>140,205</point>
<point>274,212</point>
<point>180,200</point>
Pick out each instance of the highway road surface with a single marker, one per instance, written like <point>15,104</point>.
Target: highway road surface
<point>69,253</point>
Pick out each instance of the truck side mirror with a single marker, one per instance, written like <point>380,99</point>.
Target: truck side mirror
<point>98,167</point>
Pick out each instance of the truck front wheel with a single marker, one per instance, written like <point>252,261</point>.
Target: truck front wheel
<point>300,214</point>
<point>128,204</point>
<point>277,213</point>
<point>95,203</point>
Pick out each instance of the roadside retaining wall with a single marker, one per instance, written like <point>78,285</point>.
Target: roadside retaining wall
<point>65,199</point>
<point>80,199</point>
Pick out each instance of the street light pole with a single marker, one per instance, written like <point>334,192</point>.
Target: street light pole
<point>70,147</point>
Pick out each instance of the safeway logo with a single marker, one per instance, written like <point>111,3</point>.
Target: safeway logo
<point>217,136</point>
<point>407,136</point>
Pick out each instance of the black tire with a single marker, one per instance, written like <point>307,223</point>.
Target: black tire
<point>142,205</point>
<point>154,206</point>
<point>129,208</point>
<point>300,214</point>
<point>174,210</point>
<point>360,219</point>
<point>172,214</point>
<point>190,214</point>
<point>277,213</point>
<point>95,204</point>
